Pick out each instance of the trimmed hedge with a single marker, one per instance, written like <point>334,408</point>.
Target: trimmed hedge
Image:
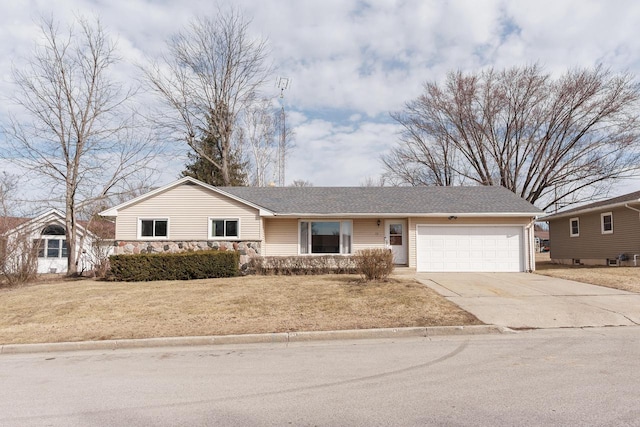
<point>302,265</point>
<point>174,266</point>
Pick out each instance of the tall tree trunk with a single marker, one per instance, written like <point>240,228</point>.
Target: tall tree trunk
<point>70,234</point>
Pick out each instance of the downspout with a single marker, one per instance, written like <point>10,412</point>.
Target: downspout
<point>530,247</point>
<point>635,256</point>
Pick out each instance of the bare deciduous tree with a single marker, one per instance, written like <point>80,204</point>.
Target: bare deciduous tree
<point>546,139</point>
<point>72,127</point>
<point>301,183</point>
<point>370,181</point>
<point>212,72</point>
<point>259,132</point>
<point>18,259</point>
<point>8,187</point>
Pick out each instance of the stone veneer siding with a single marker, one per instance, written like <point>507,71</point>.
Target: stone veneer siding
<point>247,249</point>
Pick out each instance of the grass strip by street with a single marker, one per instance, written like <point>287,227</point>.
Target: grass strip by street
<point>93,310</point>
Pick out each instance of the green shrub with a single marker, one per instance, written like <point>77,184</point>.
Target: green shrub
<point>374,264</point>
<point>174,266</point>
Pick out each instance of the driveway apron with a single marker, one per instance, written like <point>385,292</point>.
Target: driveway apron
<point>526,300</point>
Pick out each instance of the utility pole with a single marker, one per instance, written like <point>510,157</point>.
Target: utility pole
<point>282,84</point>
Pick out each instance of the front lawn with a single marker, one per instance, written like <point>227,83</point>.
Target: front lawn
<point>93,310</point>
<point>624,278</point>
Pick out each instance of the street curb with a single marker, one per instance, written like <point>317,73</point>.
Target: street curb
<point>282,337</point>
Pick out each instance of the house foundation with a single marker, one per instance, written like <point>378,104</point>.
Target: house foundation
<point>247,249</point>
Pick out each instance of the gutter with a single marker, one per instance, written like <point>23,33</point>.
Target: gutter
<point>626,205</point>
<point>413,215</point>
<point>578,211</point>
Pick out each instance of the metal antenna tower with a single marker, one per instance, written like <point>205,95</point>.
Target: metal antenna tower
<point>282,84</point>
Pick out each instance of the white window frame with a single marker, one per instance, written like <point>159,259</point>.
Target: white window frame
<point>210,235</point>
<point>46,238</point>
<point>340,221</point>
<point>141,237</point>
<point>571,233</point>
<point>602,215</point>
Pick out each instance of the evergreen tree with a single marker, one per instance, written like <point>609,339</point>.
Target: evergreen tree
<point>203,170</point>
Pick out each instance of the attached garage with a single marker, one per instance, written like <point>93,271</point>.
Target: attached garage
<point>470,248</point>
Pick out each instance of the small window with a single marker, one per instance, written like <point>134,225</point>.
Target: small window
<point>224,228</point>
<point>154,228</point>
<point>574,227</point>
<point>606,222</point>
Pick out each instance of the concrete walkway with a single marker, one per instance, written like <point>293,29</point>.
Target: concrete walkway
<point>526,300</point>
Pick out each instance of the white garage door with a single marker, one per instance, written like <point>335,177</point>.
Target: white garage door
<point>469,248</point>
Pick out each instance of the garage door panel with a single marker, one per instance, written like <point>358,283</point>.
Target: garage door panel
<point>469,248</point>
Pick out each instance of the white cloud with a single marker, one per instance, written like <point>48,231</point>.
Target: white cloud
<point>351,62</point>
<point>330,155</point>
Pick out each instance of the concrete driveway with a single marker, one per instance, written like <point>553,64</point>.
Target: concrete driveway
<point>526,300</point>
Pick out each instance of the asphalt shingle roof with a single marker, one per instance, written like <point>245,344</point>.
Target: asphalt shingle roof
<point>384,200</point>
<point>631,197</point>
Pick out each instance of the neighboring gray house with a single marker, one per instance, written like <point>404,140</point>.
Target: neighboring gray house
<point>427,228</point>
<point>601,233</point>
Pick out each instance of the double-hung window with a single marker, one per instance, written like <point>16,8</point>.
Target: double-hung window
<point>224,228</point>
<point>156,228</point>
<point>57,248</point>
<point>606,223</point>
<point>574,227</point>
<point>51,248</point>
<point>325,237</point>
<point>52,243</point>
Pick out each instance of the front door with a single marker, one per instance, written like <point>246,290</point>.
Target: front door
<point>396,235</point>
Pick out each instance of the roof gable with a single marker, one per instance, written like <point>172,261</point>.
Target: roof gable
<point>113,212</point>
<point>47,217</point>
<point>10,222</point>
<point>101,228</point>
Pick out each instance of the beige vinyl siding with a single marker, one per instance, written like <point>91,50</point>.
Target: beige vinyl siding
<point>591,243</point>
<point>414,221</point>
<point>367,234</point>
<point>281,235</point>
<point>188,208</point>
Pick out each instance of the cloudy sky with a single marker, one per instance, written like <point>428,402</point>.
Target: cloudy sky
<point>352,62</point>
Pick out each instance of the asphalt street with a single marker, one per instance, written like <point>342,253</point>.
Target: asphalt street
<point>540,377</point>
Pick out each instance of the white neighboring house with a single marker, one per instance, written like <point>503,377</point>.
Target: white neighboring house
<point>47,232</point>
